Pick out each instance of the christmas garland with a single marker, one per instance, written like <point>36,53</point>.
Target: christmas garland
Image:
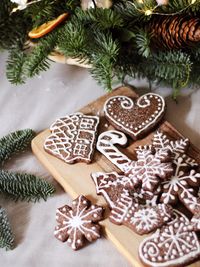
<point>18,186</point>
<point>156,39</point>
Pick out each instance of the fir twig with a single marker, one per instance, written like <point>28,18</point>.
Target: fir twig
<point>6,235</point>
<point>26,187</point>
<point>14,143</point>
<point>14,68</point>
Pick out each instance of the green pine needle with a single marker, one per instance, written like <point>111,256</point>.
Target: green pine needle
<point>6,236</point>
<point>14,143</point>
<point>26,187</point>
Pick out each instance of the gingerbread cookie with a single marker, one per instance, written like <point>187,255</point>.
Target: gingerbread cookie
<point>149,169</point>
<point>135,117</point>
<point>175,244</point>
<point>73,138</point>
<point>79,222</point>
<point>180,185</point>
<point>106,145</point>
<point>140,219</point>
<point>110,185</point>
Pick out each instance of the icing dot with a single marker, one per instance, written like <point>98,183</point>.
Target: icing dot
<point>78,241</point>
<point>84,202</point>
<point>153,259</point>
<point>59,236</point>
<point>69,240</point>
<point>156,97</point>
<point>111,101</point>
<point>95,215</point>
<point>131,126</point>
<point>146,255</point>
<point>88,235</point>
<point>150,96</point>
<point>172,257</point>
<point>159,258</point>
<point>136,128</point>
<point>74,202</point>
<point>167,245</point>
<point>93,228</point>
<point>56,217</point>
<point>64,209</point>
<point>92,207</point>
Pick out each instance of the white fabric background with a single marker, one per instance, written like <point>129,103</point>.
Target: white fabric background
<point>37,104</point>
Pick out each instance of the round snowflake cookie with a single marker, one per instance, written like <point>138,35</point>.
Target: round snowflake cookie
<point>79,222</point>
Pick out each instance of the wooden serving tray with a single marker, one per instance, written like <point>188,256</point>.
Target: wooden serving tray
<point>76,180</point>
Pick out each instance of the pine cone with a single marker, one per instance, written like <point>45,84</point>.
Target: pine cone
<point>174,32</point>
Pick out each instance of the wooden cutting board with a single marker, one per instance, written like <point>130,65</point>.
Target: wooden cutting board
<point>75,178</point>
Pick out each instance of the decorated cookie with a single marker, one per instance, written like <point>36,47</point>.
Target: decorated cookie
<point>79,222</point>
<point>149,169</point>
<point>110,186</point>
<point>106,145</point>
<point>140,219</point>
<point>73,138</point>
<point>175,244</point>
<point>135,117</point>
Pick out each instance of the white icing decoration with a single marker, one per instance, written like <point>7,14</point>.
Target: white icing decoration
<point>106,145</point>
<point>129,104</point>
<point>62,140</point>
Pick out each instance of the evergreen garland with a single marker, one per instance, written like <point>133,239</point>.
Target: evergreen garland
<point>6,235</point>
<point>18,186</point>
<point>116,42</point>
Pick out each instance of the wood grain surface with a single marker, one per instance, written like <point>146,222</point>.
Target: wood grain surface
<point>75,178</point>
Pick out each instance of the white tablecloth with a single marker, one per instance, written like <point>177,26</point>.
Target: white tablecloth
<point>36,105</point>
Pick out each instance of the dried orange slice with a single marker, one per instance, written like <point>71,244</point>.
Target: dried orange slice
<point>47,27</point>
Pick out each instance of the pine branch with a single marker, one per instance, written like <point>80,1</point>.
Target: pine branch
<point>104,58</point>
<point>27,187</point>
<point>77,42</point>
<point>14,143</point>
<point>14,67</point>
<point>37,60</point>
<point>6,236</point>
<point>142,39</point>
<point>100,18</point>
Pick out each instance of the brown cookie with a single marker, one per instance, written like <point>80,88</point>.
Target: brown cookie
<point>175,244</point>
<point>140,219</point>
<point>73,138</point>
<point>185,178</point>
<point>106,145</point>
<point>135,117</point>
<point>149,169</point>
<point>79,222</point>
<point>110,185</point>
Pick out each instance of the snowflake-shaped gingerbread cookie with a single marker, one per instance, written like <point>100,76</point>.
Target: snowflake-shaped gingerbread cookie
<point>180,185</point>
<point>149,169</point>
<point>79,222</point>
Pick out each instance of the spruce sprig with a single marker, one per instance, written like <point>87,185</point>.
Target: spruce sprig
<point>18,186</point>
<point>25,187</point>
<point>6,235</point>
<point>15,142</point>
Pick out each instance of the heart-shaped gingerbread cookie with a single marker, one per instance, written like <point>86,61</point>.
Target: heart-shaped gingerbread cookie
<point>135,117</point>
<point>175,244</point>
